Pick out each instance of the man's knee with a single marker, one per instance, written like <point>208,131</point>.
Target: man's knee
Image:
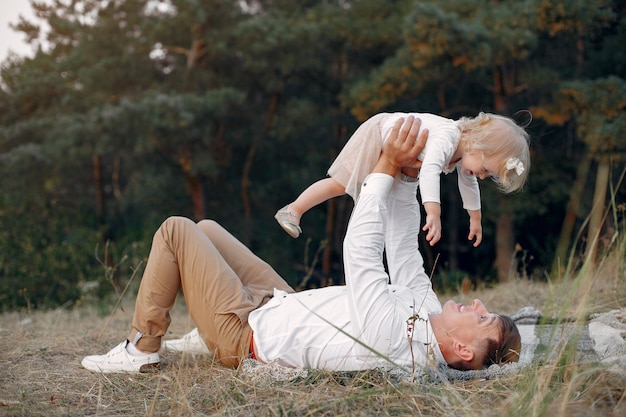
<point>208,223</point>
<point>208,226</point>
<point>174,225</point>
<point>173,220</point>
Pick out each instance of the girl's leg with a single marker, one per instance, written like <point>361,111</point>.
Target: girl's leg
<point>315,194</point>
<point>289,216</point>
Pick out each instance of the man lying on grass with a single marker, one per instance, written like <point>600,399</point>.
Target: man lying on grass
<point>243,308</point>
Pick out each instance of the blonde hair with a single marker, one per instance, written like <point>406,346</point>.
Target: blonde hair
<point>499,138</point>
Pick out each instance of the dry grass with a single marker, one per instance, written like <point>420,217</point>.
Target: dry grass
<point>40,355</point>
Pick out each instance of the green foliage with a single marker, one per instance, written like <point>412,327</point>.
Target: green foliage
<point>130,113</point>
<point>574,17</point>
<point>599,107</point>
<point>444,45</point>
<point>42,262</point>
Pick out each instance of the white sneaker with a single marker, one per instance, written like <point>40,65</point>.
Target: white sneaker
<point>192,342</point>
<point>119,360</point>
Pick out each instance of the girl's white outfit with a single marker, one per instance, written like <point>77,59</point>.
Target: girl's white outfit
<point>360,154</point>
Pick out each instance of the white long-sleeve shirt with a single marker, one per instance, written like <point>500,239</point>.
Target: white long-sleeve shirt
<point>443,139</point>
<point>363,324</point>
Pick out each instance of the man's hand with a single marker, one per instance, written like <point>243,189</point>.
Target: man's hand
<point>402,147</point>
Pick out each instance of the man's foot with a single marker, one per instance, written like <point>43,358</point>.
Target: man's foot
<point>192,342</point>
<point>289,221</point>
<point>119,360</point>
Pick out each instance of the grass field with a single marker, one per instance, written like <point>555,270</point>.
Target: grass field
<point>40,372</point>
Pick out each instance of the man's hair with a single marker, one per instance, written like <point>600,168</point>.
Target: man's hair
<point>504,350</point>
<point>508,348</point>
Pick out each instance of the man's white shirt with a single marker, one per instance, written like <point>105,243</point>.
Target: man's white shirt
<point>363,324</point>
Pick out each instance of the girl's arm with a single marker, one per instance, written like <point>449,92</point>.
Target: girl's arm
<point>470,194</point>
<point>433,222</point>
<point>476,228</point>
<point>469,190</point>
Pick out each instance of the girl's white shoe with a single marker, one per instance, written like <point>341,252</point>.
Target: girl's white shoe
<point>289,221</point>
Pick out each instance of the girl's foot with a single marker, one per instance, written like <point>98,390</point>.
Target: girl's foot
<point>289,221</point>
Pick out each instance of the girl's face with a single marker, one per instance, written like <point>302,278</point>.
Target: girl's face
<point>475,163</point>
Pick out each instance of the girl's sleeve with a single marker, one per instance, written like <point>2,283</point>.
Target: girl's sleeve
<point>469,190</point>
<point>438,151</point>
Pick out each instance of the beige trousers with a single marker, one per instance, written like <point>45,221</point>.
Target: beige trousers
<point>222,282</point>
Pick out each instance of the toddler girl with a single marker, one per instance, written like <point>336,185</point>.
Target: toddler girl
<point>488,145</point>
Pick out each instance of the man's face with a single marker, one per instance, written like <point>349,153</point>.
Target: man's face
<point>470,323</point>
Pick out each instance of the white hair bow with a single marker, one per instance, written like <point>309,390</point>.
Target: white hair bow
<point>516,164</point>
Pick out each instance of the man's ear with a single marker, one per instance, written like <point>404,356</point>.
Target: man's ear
<point>463,351</point>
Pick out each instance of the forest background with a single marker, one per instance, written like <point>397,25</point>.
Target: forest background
<point>132,111</point>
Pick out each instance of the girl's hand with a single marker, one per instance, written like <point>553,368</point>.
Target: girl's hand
<point>433,222</point>
<point>475,228</point>
<point>433,226</point>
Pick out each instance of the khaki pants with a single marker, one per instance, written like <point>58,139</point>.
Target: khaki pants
<point>221,279</point>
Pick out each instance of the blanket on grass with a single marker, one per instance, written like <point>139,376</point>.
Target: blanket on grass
<point>272,372</point>
<point>600,339</point>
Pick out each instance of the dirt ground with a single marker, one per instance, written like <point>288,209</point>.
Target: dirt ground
<point>41,375</point>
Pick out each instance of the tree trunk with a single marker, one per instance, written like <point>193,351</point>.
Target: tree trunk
<point>103,229</point>
<point>246,183</point>
<point>505,248</point>
<point>596,217</point>
<point>340,68</point>
<point>197,195</point>
<point>455,211</point>
<point>97,174</point>
<point>327,255</point>
<point>194,182</point>
<point>573,207</point>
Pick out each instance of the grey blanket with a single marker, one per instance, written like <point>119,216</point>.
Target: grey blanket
<point>541,343</point>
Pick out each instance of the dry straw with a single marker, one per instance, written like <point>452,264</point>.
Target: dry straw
<point>40,354</point>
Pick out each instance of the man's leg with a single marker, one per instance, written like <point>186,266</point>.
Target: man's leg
<point>256,275</point>
<point>218,300</point>
<point>157,292</point>
<point>256,283</point>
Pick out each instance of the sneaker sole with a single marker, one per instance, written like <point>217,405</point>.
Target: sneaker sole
<point>150,368</point>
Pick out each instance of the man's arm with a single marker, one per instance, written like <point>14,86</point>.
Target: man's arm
<point>404,260</point>
<point>366,278</point>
